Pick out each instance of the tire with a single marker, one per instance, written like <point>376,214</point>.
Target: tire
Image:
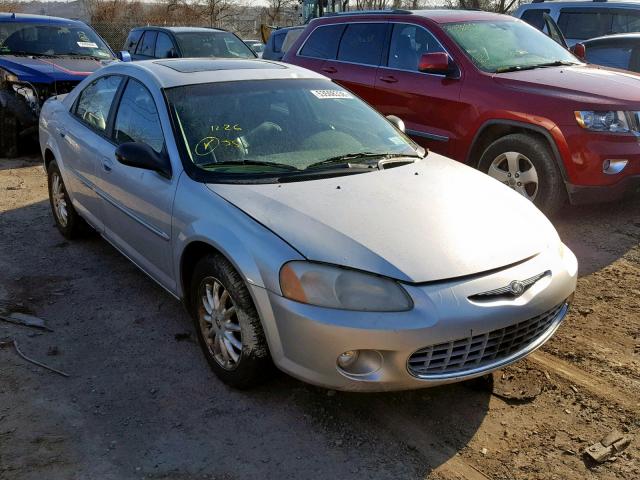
<point>70,225</point>
<point>242,360</point>
<point>527,158</point>
<point>8,134</point>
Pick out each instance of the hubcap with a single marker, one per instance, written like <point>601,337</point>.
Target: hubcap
<point>516,171</point>
<point>59,200</point>
<point>219,324</point>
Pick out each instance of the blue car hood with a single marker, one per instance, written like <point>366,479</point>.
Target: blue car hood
<point>48,70</point>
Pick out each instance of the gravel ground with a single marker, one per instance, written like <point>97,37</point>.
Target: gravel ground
<point>140,401</point>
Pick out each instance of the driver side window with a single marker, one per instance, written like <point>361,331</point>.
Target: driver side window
<point>408,44</point>
<point>137,118</point>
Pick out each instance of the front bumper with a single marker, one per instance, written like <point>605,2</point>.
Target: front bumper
<point>585,152</point>
<point>305,341</point>
<point>582,194</point>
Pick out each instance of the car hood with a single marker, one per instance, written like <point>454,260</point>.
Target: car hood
<point>585,84</point>
<point>47,70</point>
<point>433,220</point>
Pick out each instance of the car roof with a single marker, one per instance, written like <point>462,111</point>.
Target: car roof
<point>435,15</point>
<point>618,37</point>
<point>28,18</point>
<point>454,16</point>
<point>180,29</point>
<point>189,71</point>
<point>582,4</point>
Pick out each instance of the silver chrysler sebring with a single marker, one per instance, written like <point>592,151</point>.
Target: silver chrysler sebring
<point>301,228</point>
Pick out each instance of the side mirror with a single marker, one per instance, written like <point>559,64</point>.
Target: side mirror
<point>173,53</point>
<point>580,51</point>
<point>124,56</point>
<point>396,122</point>
<point>438,63</point>
<point>140,155</point>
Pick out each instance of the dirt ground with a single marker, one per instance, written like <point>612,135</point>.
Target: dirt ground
<point>140,401</point>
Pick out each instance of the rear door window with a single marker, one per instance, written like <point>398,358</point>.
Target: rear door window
<point>615,57</point>
<point>164,46</point>
<point>94,103</point>
<point>323,42</point>
<point>535,17</point>
<point>132,41</point>
<point>582,24</point>
<point>625,22</point>
<point>147,45</point>
<point>363,43</point>
<point>278,40</point>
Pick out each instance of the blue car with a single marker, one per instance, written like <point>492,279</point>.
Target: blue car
<point>41,57</point>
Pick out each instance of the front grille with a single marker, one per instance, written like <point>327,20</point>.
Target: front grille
<point>483,350</point>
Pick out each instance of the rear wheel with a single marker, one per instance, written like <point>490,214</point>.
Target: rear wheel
<point>8,134</point>
<point>227,323</point>
<point>70,224</point>
<point>525,164</point>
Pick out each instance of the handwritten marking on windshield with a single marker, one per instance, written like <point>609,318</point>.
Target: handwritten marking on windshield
<point>226,127</point>
<point>207,145</point>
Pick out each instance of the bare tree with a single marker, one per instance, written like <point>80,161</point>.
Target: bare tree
<point>498,6</point>
<point>10,6</point>
<point>277,10</point>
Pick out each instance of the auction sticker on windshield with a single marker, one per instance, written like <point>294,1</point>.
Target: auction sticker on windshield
<point>322,94</point>
<point>87,45</point>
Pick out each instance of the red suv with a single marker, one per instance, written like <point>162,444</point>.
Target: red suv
<point>491,91</point>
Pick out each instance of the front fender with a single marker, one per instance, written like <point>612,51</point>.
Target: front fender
<point>46,134</point>
<point>201,215</point>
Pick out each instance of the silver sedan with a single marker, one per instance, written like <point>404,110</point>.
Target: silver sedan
<point>301,228</point>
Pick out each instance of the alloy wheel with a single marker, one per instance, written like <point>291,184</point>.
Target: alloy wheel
<point>59,199</point>
<point>219,323</point>
<point>516,171</point>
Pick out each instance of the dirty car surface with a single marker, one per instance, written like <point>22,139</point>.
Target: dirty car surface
<point>300,227</point>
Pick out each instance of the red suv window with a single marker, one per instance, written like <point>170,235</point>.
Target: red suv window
<point>323,42</point>
<point>363,43</point>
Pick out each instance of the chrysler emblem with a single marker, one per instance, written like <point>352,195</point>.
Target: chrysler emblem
<point>516,288</point>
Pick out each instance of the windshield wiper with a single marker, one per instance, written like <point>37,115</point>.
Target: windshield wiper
<point>248,162</point>
<point>342,161</point>
<point>517,68</point>
<point>82,55</point>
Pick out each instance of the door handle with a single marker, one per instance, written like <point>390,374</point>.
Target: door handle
<point>107,165</point>
<point>389,79</point>
<point>330,69</point>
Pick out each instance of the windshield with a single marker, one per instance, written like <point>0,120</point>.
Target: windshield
<point>269,127</point>
<point>213,44</point>
<point>498,46</point>
<point>48,40</point>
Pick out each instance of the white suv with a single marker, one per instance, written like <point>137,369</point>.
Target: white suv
<point>583,20</point>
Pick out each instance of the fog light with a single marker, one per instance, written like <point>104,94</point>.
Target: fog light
<point>347,358</point>
<point>359,362</point>
<point>613,167</point>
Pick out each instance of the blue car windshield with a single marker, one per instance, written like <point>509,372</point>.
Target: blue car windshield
<point>268,126</point>
<point>28,38</point>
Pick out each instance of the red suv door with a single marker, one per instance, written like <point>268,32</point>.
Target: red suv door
<point>351,54</point>
<point>429,104</point>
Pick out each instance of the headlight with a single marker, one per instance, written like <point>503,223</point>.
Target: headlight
<point>607,121</point>
<point>6,76</point>
<point>334,287</point>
